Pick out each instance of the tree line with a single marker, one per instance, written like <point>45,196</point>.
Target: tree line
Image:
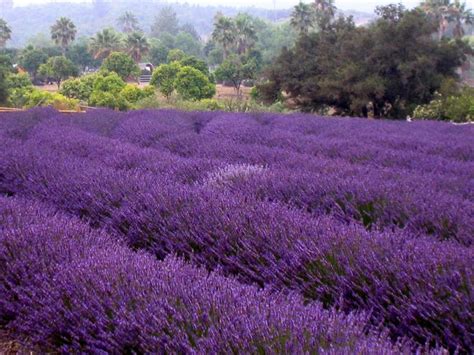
<point>317,61</point>
<point>386,69</point>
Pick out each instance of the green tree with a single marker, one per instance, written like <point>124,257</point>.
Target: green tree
<point>188,44</point>
<point>302,18</point>
<point>109,82</point>
<point>272,38</point>
<point>63,32</point>
<point>215,56</point>
<point>58,69</point>
<point>164,77</point>
<point>165,22</point>
<point>175,55</point>
<point>168,40</point>
<point>107,92</point>
<point>109,100</point>
<point>137,46</point>
<point>80,88</point>
<point>246,33</point>
<point>41,98</point>
<point>122,64</point>
<point>235,70</point>
<point>133,93</point>
<point>224,33</point>
<point>104,43</point>
<point>451,103</point>
<point>392,12</point>
<point>128,22</point>
<point>5,33</point>
<point>19,86</point>
<point>80,55</point>
<point>195,63</point>
<point>31,59</point>
<point>384,70</point>
<point>40,40</point>
<point>5,71</point>
<point>158,53</point>
<point>18,81</point>
<point>191,30</point>
<point>192,84</point>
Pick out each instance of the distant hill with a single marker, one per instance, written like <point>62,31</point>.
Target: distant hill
<point>29,21</point>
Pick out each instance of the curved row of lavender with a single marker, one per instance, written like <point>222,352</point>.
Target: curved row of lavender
<point>365,216</point>
<point>67,288</point>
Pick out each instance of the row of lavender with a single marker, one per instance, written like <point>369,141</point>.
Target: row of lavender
<point>425,187</point>
<point>68,288</point>
<point>237,217</point>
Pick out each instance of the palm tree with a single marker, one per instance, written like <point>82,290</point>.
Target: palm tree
<point>63,32</point>
<point>438,10</point>
<point>5,32</point>
<point>326,7</point>
<point>246,33</point>
<point>460,15</point>
<point>224,33</point>
<point>302,18</point>
<point>128,22</point>
<point>104,43</point>
<point>325,10</point>
<point>137,45</point>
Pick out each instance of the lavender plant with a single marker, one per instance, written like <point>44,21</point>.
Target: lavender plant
<point>67,288</point>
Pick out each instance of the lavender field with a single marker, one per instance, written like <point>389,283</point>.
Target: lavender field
<point>210,232</point>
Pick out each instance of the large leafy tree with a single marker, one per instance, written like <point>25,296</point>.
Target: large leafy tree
<point>192,84</point>
<point>165,22</point>
<point>224,33</point>
<point>302,18</point>
<point>58,69</point>
<point>188,44</point>
<point>196,63</point>
<point>122,64</point>
<point>191,30</point>
<point>5,71</point>
<point>175,55</point>
<point>31,58</point>
<point>164,78</point>
<point>63,32</point>
<point>128,22</point>
<point>384,70</point>
<point>137,45</point>
<point>236,69</point>
<point>158,52</point>
<point>80,55</point>
<point>5,32</point>
<point>104,43</point>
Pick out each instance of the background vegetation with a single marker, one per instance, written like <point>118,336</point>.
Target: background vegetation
<point>395,63</point>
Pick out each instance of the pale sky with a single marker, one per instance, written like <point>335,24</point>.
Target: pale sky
<point>362,5</point>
